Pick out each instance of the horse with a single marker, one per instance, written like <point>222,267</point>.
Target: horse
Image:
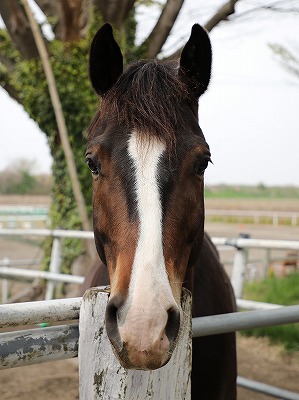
<point>147,155</point>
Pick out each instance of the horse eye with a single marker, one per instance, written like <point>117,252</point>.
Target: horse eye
<point>201,166</point>
<point>94,168</point>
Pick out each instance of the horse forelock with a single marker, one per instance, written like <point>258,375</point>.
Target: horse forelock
<point>148,98</point>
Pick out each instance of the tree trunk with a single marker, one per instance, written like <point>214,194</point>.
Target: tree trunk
<point>18,27</point>
<point>61,126</point>
<point>115,11</point>
<point>71,17</point>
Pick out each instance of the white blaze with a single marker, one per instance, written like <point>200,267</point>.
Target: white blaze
<point>150,294</point>
<point>149,260</point>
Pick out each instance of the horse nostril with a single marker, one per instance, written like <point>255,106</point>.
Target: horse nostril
<point>111,321</point>
<point>173,324</point>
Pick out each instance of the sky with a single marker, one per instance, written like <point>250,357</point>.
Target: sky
<point>249,115</point>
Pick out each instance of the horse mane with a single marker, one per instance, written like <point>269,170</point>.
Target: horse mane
<point>147,98</point>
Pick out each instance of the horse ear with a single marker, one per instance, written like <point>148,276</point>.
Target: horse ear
<point>196,61</point>
<point>105,60</point>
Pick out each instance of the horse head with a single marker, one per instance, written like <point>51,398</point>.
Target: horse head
<point>147,155</point>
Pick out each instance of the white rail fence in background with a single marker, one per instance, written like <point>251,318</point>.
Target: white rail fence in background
<point>60,342</point>
<point>30,216</point>
<point>256,217</point>
<point>15,216</point>
<point>240,265</point>
<point>53,276</point>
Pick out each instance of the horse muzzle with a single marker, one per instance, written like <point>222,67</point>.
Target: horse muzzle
<point>142,338</point>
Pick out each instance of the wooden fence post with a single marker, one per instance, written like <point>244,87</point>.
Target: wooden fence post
<point>102,377</point>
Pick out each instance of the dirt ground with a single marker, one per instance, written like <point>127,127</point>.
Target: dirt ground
<point>253,204</point>
<point>256,358</point>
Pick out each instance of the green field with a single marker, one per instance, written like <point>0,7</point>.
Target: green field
<point>252,192</point>
<point>276,290</point>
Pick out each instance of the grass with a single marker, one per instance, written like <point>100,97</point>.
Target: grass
<point>251,192</point>
<point>283,291</point>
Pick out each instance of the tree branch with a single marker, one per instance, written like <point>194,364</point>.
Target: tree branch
<point>161,31</point>
<point>222,13</point>
<point>18,28</point>
<point>287,59</point>
<point>11,91</point>
<point>115,11</point>
<point>69,18</point>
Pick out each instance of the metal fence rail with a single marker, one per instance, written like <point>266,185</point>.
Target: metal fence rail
<point>36,312</point>
<point>241,243</point>
<point>266,389</point>
<point>35,346</point>
<point>59,310</point>
<point>28,274</point>
<point>244,320</point>
<point>58,233</point>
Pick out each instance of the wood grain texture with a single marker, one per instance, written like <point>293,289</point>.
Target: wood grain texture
<point>102,377</point>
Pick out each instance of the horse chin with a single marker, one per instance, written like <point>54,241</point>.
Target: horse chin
<point>147,360</point>
<point>142,360</point>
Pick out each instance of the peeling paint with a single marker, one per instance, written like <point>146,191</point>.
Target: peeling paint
<point>41,311</point>
<point>98,334</point>
<point>90,294</point>
<point>98,382</point>
<point>38,345</point>
<point>150,390</point>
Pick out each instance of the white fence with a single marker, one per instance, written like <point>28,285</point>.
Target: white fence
<point>61,342</point>
<point>23,216</point>
<point>257,217</point>
<point>240,264</point>
<point>28,217</point>
<point>53,276</point>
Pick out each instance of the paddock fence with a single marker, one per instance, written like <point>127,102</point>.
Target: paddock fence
<point>26,217</point>
<point>57,342</point>
<point>274,218</point>
<point>242,269</point>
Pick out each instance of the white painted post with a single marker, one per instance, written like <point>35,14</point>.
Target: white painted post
<point>238,273</point>
<point>5,263</point>
<point>55,265</point>
<point>102,377</point>
<point>294,219</point>
<point>275,219</point>
<point>266,262</point>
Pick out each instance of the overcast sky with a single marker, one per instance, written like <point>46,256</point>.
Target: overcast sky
<point>250,114</point>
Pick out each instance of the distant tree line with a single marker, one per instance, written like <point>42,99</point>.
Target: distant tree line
<point>18,178</point>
